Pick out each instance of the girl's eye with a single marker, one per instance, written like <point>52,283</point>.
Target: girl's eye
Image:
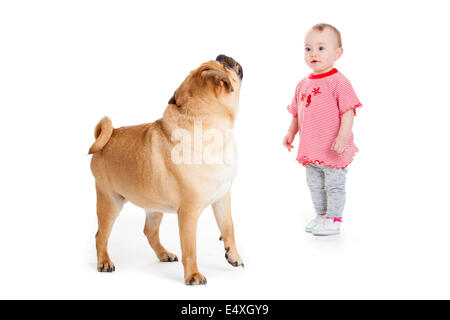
<point>321,48</point>
<point>307,49</point>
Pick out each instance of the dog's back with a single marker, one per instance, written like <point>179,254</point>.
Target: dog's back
<point>132,164</point>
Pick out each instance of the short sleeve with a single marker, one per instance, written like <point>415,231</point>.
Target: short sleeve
<point>293,107</point>
<point>346,97</point>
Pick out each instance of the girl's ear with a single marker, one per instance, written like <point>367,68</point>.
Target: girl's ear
<point>339,53</point>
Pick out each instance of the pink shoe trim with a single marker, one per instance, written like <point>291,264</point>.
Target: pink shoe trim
<point>336,219</point>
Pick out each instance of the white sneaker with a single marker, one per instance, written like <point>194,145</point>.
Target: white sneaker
<point>314,222</point>
<point>327,227</point>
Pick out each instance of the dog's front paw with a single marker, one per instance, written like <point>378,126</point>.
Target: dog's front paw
<point>195,279</point>
<point>233,257</point>
<point>167,257</point>
<point>106,266</point>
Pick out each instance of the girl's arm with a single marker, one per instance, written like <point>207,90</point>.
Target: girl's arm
<point>290,136</point>
<point>340,144</point>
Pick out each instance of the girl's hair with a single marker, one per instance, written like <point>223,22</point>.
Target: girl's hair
<point>321,26</point>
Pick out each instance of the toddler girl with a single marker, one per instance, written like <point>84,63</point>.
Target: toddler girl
<point>323,108</point>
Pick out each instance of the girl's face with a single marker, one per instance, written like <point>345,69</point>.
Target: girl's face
<point>321,50</point>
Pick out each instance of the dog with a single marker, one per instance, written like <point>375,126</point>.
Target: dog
<point>144,165</point>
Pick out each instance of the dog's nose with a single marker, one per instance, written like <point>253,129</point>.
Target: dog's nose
<point>231,63</point>
<point>226,60</point>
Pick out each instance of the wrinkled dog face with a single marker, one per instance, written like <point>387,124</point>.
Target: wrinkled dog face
<point>224,75</point>
<point>230,63</point>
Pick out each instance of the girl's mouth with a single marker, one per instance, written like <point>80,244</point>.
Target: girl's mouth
<point>315,61</point>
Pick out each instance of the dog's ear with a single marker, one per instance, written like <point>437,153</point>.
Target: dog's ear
<point>217,78</point>
<point>173,100</point>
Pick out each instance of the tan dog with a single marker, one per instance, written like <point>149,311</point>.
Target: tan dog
<point>142,164</point>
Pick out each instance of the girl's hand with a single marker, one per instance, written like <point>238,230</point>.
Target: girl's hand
<point>287,141</point>
<point>339,145</point>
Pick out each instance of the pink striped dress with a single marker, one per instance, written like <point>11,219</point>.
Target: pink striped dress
<point>319,103</point>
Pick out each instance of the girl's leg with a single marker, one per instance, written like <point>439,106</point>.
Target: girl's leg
<point>316,182</point>
<point>335,189</point>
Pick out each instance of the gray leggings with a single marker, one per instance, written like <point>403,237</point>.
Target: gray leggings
<point>327,187</point>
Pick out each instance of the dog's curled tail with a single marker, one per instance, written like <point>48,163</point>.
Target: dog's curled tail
<point>103,132</point>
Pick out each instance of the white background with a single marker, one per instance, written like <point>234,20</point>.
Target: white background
<point>65,64</point>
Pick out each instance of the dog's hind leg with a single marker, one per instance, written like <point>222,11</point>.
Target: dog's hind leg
<point>151,231</point>
<point>222,212</point>
<point>108,208</point>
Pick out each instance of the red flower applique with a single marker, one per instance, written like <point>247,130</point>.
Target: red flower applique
<point>316,91</point>
<point>303,96</point>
